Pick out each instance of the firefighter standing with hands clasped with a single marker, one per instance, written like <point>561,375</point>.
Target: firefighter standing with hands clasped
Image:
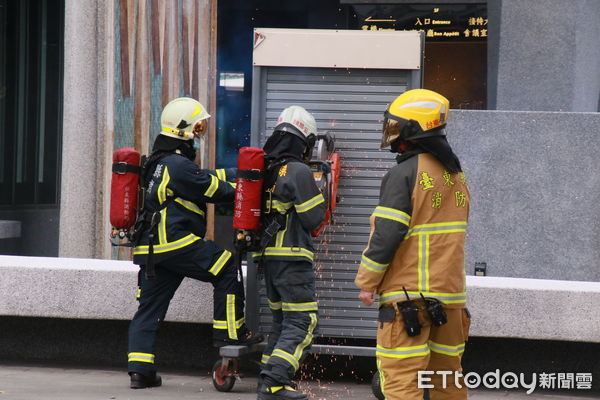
<point>414,259</point>
<point>170,246</point>
<point>293,207</point>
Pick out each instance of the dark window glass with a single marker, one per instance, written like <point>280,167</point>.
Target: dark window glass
<point>236,21</point>
<point>30,100</point>
<point>455,59</point>
<point>455,62</point>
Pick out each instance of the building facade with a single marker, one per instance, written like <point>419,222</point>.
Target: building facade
<point>85,77</point>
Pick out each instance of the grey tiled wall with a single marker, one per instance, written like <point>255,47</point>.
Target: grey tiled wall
<point>535,186</point>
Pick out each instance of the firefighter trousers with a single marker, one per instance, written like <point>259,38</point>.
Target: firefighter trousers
<point>291,295</point>
<point>155,295</point>
<point>401,357</point>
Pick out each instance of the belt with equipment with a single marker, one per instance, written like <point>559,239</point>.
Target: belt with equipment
<point>410,313</point>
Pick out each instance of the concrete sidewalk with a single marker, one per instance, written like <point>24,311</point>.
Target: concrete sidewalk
<point>52,383</point>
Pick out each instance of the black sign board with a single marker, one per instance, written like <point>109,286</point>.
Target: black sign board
<point>439,22</point>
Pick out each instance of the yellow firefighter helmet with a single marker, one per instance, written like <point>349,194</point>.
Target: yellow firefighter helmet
<point>415,114</point>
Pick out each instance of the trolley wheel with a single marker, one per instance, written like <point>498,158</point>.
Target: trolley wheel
<point>376,386</point>
<point>222,380</point>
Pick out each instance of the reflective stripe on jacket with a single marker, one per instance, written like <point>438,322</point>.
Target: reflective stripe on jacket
<point>418,234</point>
<point>183,220</point>
<point>295,195</point>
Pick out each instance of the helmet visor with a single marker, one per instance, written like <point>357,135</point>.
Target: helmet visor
<point>392,126</point>
<point>200,129</point>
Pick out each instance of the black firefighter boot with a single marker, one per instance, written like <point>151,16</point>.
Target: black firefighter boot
<point>140,381</point>
<point>247,339</point>
<point>270,390</point>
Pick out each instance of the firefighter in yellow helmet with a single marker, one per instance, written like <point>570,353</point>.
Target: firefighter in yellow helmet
<point>170,243</point>
<point>414,259</point>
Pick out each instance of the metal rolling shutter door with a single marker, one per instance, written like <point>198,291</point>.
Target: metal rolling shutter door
<point>349,103</point>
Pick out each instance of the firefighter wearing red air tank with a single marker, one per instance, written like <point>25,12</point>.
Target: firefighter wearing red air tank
<point>414,259</point>
<point>172,240</point>
<point>293,207</point>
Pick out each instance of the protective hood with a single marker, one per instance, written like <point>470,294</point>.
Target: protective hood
<point>408,154</point>
<point>283,145</point>
<point>163,146</point>
<point>168,144</point>
<point>440,148</point>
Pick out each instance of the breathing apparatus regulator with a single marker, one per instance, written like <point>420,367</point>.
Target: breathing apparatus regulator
<point>184,119</point>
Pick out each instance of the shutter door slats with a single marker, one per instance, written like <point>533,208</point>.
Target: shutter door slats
<point>361,173</point>
<point>319,87</point>
<point>345,107</point>
<point>339,126</point>
<point>339,116</point>
<point>309,98</point>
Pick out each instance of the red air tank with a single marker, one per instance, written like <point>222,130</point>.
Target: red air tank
<point>249,188</point>
<point>124,187</point>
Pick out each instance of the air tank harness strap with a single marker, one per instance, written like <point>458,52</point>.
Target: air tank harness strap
<point>250,174</point>
<point>272,221</point>
<point>122,168</point>
<point>275,224</point>
<point>153,232</point>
